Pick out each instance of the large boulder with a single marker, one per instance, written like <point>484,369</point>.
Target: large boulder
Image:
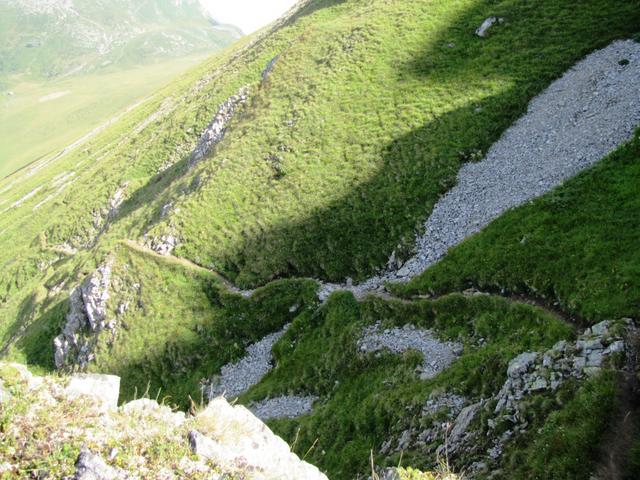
<point>103,390</point>
<point>233,437</point>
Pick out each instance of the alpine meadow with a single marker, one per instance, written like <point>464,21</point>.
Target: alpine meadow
<point>376,239</point>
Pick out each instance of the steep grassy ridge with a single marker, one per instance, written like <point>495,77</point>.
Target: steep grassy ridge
<point>365,121</point>
<point>177,325</point>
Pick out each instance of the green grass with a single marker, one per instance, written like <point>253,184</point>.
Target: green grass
<point>369,121</point>
<point>564,446</point>
<point>32,127</point>
<point>576,246</point>
<point>181,325</point>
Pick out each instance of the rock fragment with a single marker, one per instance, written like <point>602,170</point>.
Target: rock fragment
<point>90,466</point>
<point>483,30</point>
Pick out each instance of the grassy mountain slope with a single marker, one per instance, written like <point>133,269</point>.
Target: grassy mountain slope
<point>365,122</point>
<point>334,163</point>
<point>575,246</point>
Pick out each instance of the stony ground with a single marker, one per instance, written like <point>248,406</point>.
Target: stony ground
<point>437,355</point>
<point>236,378</point>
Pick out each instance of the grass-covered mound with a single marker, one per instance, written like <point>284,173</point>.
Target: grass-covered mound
<point>176,324</point>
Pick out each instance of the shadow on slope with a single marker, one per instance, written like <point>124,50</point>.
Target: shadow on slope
<point>355,235</point>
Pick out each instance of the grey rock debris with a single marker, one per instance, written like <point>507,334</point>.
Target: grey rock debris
<point>283,407</point>
<point>438,355</point>
<point>236,378</point>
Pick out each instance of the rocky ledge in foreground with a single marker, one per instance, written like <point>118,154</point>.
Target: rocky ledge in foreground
<point>72,428</point>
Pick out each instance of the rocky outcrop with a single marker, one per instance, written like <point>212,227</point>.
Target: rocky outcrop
<point>87,317</point>
<point>214,133</point>
<point>103,216</point>
<point>163,245</point>
<point>104,389</point>
<point>90,466</point>
<point>237,439</point>
<point>532,372</point>
<point>454,426</point>
<point>140,439</point>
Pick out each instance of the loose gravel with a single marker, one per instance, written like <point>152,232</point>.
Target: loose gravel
<point>282,407</point>
<point>236,378</point>
<point>437,355</point>
<point>573,124</point>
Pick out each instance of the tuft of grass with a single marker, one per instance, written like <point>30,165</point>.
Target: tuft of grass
<point>566,446</point>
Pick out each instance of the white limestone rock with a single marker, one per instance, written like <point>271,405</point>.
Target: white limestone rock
<point>233,437</point>
<point>483,30</point>
<point>103,390</point>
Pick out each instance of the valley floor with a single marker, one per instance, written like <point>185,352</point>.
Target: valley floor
<point>38,120</point>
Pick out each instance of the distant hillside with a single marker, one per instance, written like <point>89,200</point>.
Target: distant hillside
<point>54,38</point>
<point>67,66</point>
